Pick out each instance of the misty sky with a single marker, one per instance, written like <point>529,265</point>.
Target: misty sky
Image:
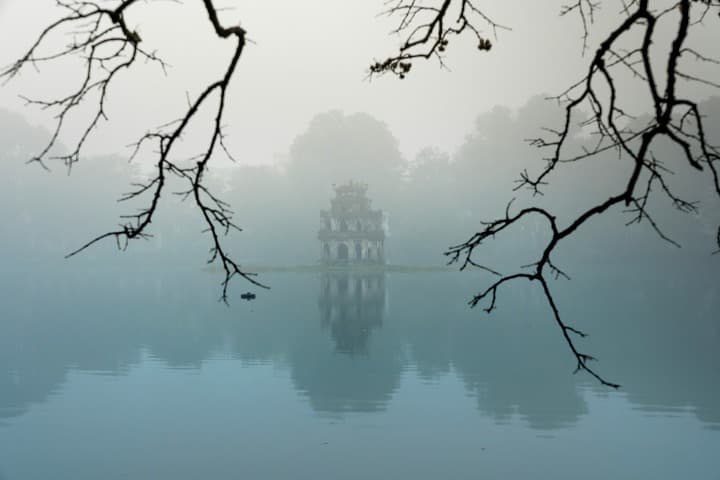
<point>331,368</point>
<point>310,57</point>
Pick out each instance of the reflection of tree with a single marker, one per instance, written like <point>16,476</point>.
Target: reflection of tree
<point>336,383</point>
<point>494,357</point>
<point>675,366</point>
<point>351,306</point>
<point>42,341</point>
<point>88,325</point>
<point>496,362</point>
<point>24,385</point>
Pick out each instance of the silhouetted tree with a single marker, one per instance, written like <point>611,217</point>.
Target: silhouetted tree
<point>107,45</point>
<point>676,120</point>
<point>336,148</point>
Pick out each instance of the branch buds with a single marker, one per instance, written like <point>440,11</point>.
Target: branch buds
<point>442,45</point>
<point>134,37</point>
<point>393,65</point>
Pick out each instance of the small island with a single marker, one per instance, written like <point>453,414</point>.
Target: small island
<point>352,237</point>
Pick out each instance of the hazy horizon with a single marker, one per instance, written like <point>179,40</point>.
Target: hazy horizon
<point>304,68</point>
<point>365,358</point>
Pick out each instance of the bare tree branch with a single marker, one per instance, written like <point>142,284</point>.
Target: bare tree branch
<point>106,44</point>
<point>426,29</point>
<point>674,119</point>
<point>101,37</point>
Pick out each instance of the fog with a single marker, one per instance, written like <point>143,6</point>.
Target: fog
<point>123,357</point>
<point>438,196</point>
<point>316,65</point>
<point>440,150</point>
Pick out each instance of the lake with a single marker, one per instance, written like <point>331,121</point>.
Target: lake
<point>131,373</point>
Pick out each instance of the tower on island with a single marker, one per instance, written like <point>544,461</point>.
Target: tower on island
<point>351,232</point>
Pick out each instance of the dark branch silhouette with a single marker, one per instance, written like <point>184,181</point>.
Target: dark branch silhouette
<point>107,45</point>
<point>674,118</point>
<point>427,28</point>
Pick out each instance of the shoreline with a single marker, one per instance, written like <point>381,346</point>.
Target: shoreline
<point>341,268</point>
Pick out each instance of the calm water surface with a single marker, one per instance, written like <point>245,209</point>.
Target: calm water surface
<point>142,375</point>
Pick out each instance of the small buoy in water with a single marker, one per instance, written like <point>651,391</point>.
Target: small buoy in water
<point>248,296</point>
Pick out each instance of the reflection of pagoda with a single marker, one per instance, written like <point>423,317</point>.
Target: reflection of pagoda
<point>350,232</point>
<point>352,304</point>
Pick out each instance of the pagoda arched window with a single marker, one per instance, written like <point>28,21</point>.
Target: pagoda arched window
<point>342,252</point>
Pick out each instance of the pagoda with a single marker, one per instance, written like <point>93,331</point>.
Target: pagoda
<point>351,232</point>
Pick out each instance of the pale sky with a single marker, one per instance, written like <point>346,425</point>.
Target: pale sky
<point>310,57</point>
